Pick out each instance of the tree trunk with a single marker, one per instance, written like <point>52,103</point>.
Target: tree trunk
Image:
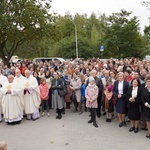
<point>5,61</point>
<point>2,56</point>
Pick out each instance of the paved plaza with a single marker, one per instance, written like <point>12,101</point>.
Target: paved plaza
<point>72,132</point>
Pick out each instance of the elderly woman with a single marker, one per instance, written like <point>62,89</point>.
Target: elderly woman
<point>134,98</point>
<point>75,86</point>
<point>120,90</point>
<point>146,102</point>
<point>57,99</point>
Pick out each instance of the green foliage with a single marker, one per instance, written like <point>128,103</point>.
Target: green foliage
<point>122,35</point>
<point>28,30</point>
<point>22,20</point>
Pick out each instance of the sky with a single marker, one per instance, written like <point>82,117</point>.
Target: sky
<point>102,6</point>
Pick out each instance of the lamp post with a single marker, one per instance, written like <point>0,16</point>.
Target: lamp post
<point>76,37</point>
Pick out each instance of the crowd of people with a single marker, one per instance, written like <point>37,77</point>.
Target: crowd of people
<point>119,89</point>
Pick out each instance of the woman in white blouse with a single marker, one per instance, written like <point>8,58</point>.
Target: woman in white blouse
<point>134,99</point>
<point>120,90</point>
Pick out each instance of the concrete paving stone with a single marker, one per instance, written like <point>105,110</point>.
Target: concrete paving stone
<point>72,132</point>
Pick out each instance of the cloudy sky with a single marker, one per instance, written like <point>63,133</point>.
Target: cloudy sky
<point>102,6</point>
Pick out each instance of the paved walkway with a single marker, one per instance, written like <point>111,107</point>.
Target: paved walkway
<point>72,132</point>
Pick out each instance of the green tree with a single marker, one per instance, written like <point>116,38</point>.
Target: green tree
<point>21,21</point>
<point>122,35</point>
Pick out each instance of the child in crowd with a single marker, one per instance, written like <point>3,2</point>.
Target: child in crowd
<point>44,94</point>
<point>91,94</point>
<point>83,87</point>
<point>108,102</point>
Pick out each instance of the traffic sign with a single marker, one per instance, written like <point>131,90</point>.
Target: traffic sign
<point>101,48</point>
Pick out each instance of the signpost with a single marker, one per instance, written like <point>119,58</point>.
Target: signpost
<point>101,50</point>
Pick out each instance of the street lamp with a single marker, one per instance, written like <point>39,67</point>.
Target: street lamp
<point>76,37</point>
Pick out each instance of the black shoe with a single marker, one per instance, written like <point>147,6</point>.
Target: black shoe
<point>144,128</point>
<point>147,136</point>
<point>124,123</point>
<point>131,129</point>
<point>104,113</point>
<point>57,117</point>
<point>63,112</point>
<point>98,116</point>
<point>60,116</point>
<point>13,123</point>
<point>107,120</point>
<point>34,119</point>
<point>120,124</point>
<point>24,116</point>
<point>136,130</point>
<point>95,124</point>
<point>90,121</point>
<point>18,122</point>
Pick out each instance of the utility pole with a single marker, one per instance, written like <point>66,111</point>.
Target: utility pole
<point>76,37</point>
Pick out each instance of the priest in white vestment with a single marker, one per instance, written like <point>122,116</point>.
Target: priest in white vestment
<point>31,96</point>
<point>12,102</point>
<point>3,80</point>
<point>19,78</point>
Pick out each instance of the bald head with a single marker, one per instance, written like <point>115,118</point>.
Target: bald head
<point>27,73</point>
<point>10,78</point>
<point>17,73</point>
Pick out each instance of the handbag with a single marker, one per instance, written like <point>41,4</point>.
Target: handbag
<point>63,91</point>
<point>73,97</point>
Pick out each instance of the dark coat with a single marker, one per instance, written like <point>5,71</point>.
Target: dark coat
<point>121,103</point>
<point>116,92</point>
<point>134,107</point>
<point>57,99</point>
<point>146,98</point>
<point>59,85</point>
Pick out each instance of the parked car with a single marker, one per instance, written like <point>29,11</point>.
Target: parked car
<point>147,57</point>
<point>43,59</point>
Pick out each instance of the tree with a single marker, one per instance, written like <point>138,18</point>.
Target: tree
<point>21,21</point>
<point>122,35</point>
